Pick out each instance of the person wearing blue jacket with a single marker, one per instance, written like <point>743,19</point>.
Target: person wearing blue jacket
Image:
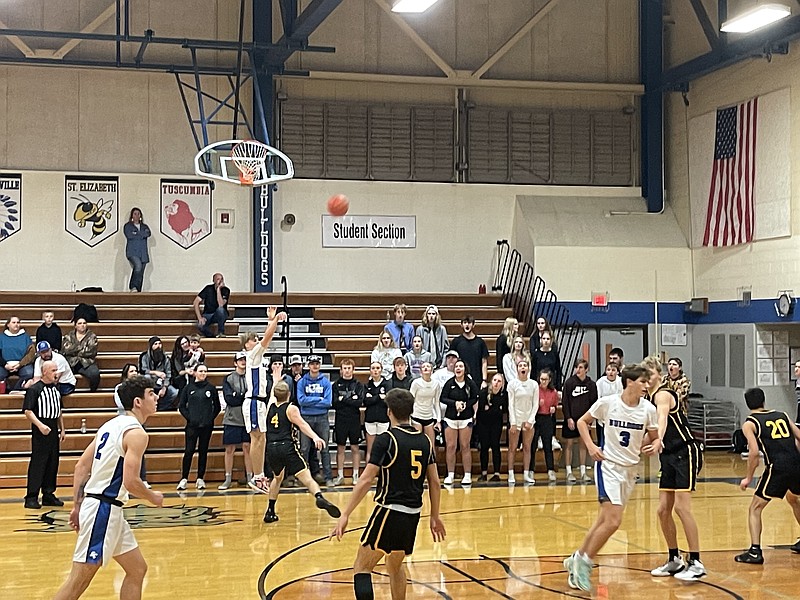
<point>136,232</point>
<point>14,343</point>
<point>315,397</point>
<point>402,332</point>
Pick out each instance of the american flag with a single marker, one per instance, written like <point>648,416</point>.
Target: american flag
<point>730,218</point>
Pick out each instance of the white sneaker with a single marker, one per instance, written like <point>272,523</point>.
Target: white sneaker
<point>225,485</point>
<point>556,444</point>
<point>147,485</point>
<point>467,479</point>
<point>585,477</point>
<point>511,478</point>
<point>551,476</point>
<point>182,484</point>
<point>669,568</point>
<point>571,477</point>
<point>528,477</point>
<point>539,445</point>
<point>448,480</point>
<point>200,484</point>
<point>259,484</point>
<point>693,572</point>
<point>338,480</point>
<point>355,478</point>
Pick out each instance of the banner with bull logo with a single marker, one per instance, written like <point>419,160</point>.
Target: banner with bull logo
<point>186,210</point>
<point>91,207</point>
<point>10,204</point>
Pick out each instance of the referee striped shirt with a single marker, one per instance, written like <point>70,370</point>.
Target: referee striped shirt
<point>44,401</point>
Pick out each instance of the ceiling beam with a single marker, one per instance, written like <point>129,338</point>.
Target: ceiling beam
<point>304,25</point>
<point>705,22</point>
<point>17,42</point>
<point>90,28</point>
<point>512,41</point>
<point>418,41</point>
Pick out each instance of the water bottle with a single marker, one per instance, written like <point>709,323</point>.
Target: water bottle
<point>83,425</point>
<point>74,287</point>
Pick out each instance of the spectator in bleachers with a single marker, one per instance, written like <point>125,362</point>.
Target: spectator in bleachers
<point>65,378</point>
<point>295,372</point>
<point>401,331</point>
<point>401,378</point>
<point>492,407</point>
<point>348,398</point>
<point>385,352</point>
<point>617,356</point>
<point>434,335</point>
<point>157,365</point>
<point>215,298</point>
<point>136,232</point>
<point>416,356</point>
<point>523,403</point>
<point>276,374</point>
<point>473,351</point>
<point>14,344</point>
<point>545,426</point>
<point>49,331</point>
<point>580,392</point>
<point>446,373</point>
<point>234,389</point>
<point>181,373</point>
<point>79,347</point>
<point>610,383</point>
<point>460,397</point>
<point>128,371</point>
<point>427,414</point>
<point>503,344</point>
<point>518,352</point>
<point>546,357</point>
<point>315,398</point>
<point>199,405</point>
<point>196,354</point>
<point>677,380</point>
<point>542,326</point>
<point>376,419</point>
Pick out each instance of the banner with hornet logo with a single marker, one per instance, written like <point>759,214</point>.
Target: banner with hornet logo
<point>186,210</point>
<point>10,204</point>
<point>91,207</point>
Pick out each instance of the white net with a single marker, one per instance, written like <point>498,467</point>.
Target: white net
<point>249,157</point>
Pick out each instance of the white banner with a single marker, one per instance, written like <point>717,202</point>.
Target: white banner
<point>91,209</point>
<point>10,204</point>
<point>360,231</point>
<point>185,210</point>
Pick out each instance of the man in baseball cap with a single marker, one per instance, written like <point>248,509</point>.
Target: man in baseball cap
<point>66,378</point>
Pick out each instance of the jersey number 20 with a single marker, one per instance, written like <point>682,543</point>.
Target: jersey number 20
<point>779,429</point>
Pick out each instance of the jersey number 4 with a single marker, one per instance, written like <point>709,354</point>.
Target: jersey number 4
<point>103,440</point>
<point>779,429</point>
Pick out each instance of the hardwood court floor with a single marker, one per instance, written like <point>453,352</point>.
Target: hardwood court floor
<point>502,542</point>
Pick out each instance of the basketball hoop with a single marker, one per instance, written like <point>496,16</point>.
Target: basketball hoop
<point>249,157</point>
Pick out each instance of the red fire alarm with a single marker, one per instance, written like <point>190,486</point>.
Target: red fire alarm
<point>600,299</point>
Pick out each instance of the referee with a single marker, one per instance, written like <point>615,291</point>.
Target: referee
<point>42,407</point>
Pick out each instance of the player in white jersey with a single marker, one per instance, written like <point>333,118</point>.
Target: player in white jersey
<point>631,426</point>
<point>254,408</point>
<point>104,475</point>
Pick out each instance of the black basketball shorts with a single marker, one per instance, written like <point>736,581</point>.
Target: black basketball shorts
<point>284,455</point>
<point>391,530</point>
<point>679,469</point>
<point>776,480</point>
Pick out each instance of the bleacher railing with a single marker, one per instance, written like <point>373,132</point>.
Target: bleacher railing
<point>529,297</point>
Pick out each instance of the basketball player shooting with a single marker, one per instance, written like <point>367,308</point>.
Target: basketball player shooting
<point>105,473</point>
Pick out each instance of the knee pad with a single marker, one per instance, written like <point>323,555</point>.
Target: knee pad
<point>362,583</point>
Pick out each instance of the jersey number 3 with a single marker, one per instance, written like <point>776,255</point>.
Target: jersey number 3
<point>103,440</point>
<point>416,464</point>
<point>624,439</point>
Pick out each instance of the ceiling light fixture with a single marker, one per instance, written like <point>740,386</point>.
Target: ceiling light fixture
<point>755,18</point>
<point>412,6</point>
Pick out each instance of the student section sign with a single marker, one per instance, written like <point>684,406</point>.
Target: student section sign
<point>358,231</point>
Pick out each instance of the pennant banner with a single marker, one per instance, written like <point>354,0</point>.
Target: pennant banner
<point>10,204</point>
<point>91,207</point>
<point>186,210</point>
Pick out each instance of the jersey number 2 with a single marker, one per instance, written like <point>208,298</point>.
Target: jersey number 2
<point>416,464</point>
<point>624,439</point>
<point>103,440</point>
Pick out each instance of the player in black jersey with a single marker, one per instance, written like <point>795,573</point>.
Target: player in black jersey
<point>773,433</point>
<point>402,458</point>
<point>284,458</point>
<point>681,460</point>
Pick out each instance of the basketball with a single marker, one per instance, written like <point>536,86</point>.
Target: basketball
<point>338,205</point>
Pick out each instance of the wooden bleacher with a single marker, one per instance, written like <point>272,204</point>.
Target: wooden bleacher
<point>333,325</point>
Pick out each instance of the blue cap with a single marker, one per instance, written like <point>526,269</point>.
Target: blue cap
<point>43,346</point>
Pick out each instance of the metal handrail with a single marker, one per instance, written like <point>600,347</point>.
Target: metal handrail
<point>285,325</point>
<point>529,297</point>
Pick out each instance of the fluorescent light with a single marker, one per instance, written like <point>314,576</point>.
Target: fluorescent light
<point>758,16</point>
<point>412,6</point>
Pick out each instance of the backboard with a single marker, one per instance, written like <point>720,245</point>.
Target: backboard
<point>215,162</point>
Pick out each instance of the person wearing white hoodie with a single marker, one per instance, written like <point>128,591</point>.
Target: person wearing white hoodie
<point>523,403</point>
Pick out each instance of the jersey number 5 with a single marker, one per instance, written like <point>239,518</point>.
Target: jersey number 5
<point>416,464</point>
<point>779,429</point>
<point>103,440</point>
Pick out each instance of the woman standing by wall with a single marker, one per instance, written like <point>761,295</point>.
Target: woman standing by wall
<point>136,232</point>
